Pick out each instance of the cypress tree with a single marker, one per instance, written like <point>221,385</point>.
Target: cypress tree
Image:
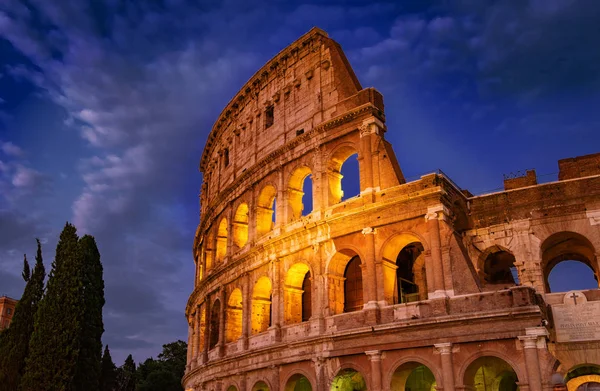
<point>26,271</point>
<point>14,346</point>
<point>108,373</point>
<point>126,376</point>
<point>55,343</point>
<point>87,373</point>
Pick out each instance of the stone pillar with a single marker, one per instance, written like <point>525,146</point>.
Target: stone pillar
<point>370,283</point>
<point>221,342</point>
<point>434,213</point>
<point>281,203</point>
<point>319,364</point>
<point>276,302</point>
<point>196,339</point>
<point>375,358</point>
<point>445,350</point>
<point>190,341</point>
<point>534,339</point>
<point>252,217</point>
<point>370,128</point>
<point>206,329</point>
<point>246,310</point>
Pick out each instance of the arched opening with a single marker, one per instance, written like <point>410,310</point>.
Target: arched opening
<point>584,377</point>
<point>265,210</point>
<point>260,386</point>
<point>350,187</point>
<point>233,331</point>
<point>298,382</point>
<point>209,250</point>
<point>296,293</point>
<point>202,327</point>
<point>299,181</point>
<point>411,281</point>
<point>353,286</point>
<point>348,380</point>
<point>490,373</point>
<point>498,270</point>
<point>413,376</point>
<point>261,305</point>
<point>336,281</point>
<point>563,247</point>
<point>221,240</point>
<point>240,225</point>
<point>232,388</point>
<point>213,337</point>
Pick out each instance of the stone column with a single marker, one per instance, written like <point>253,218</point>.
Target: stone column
<point>276,301</point>
<point>375,358</point>
<point>319,364</point>
<point>246,310</point>
<point>196,339</point>
<point>370,283</point>
<point>190,341</point>
<point>281,207</point>
<point>206,329</point>
<point>434,213</point>
<point>445,350</point>
<point>532,363</point>
<point>221,342</point>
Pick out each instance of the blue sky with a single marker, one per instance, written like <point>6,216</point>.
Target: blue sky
<point>105,106</point>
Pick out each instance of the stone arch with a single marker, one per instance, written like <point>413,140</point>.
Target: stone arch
<point>349,377</point>
<point>261,305</point>
<point>496,268</point>
<point>413,375</point>
<point>234,316</point>
<point>265,209</point>
<point>298,381</point>
<point>335,161</point>
<point>222,234</point>
<point>209,250</point>
<point>405,274</point>
<point>433,367</point>
<point>583,377</point>
<point>240,225</point>
<point>213,335</point>
<point>261,385</point>
<point>501,366</point>
<point>295,192</point>
<point>567,246</point>
<point>232,387</point>
<point>297,293</point>
<point>337,280</point>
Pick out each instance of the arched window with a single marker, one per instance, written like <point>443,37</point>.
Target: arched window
<point>349,380</point>
<point>209,251</point>
<point>261,305</point>
<point>412,376</point>
<point>353,286</point>
<point>411,280</point>
<point>297,294</point>
<point>234,316</point>
<point>261,386</point>
<point>576,256</point>
<point>351,185</point>
<point>222,240</point>
<point>214,324</point>
<point>298,382</point>
<point>499,269</point>
<point>490,373</point>
<point>240,225</point>
<point>299,181</point>
<point>265,210</point>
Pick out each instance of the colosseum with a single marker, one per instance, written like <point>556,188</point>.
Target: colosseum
<point>415,285</point>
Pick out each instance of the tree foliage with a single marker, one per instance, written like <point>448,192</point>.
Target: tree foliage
<point>14,344</point>
<point>108,373</point>
<point>165,373</point>
<point>126,375</point>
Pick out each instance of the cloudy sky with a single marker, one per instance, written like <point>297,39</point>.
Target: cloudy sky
<point>105,106</point>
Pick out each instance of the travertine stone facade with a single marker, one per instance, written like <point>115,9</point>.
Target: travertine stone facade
<point>406,285</point>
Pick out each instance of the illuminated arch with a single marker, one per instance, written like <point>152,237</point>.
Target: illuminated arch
<point>261,305</point>
<point>405,275</point>
<point>265,209</point>
<point>584,377</point>
<point>490,373</point>
<point>413,376</point>
<point>334,171</point>
<point>298,382</point>
<point>209,250</point>
<point>221,240</point>
<point>567,246</point>
<point>295,192</point>
<point>261,385</point>
<point>297,294</point>
<point>240,225</point>
<point>337,281</point>
<point>232,388</point>
<point>349,379</point>
<point>234,316</point>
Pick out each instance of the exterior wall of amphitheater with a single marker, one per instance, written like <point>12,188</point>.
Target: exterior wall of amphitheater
<point>405,277</point>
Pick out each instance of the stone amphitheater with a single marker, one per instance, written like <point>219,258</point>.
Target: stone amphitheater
<point>407,286</point>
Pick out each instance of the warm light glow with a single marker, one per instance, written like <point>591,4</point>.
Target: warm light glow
<point>240,225</point>
<point>336,280</point>
<point>233,330</point>
<point>336,161</point>
<point>222,240</point>
<point>265,210</point>
<point>261,305</point>
<point>293,293</point>
<point>209,252</point>
<point>295,192</point>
